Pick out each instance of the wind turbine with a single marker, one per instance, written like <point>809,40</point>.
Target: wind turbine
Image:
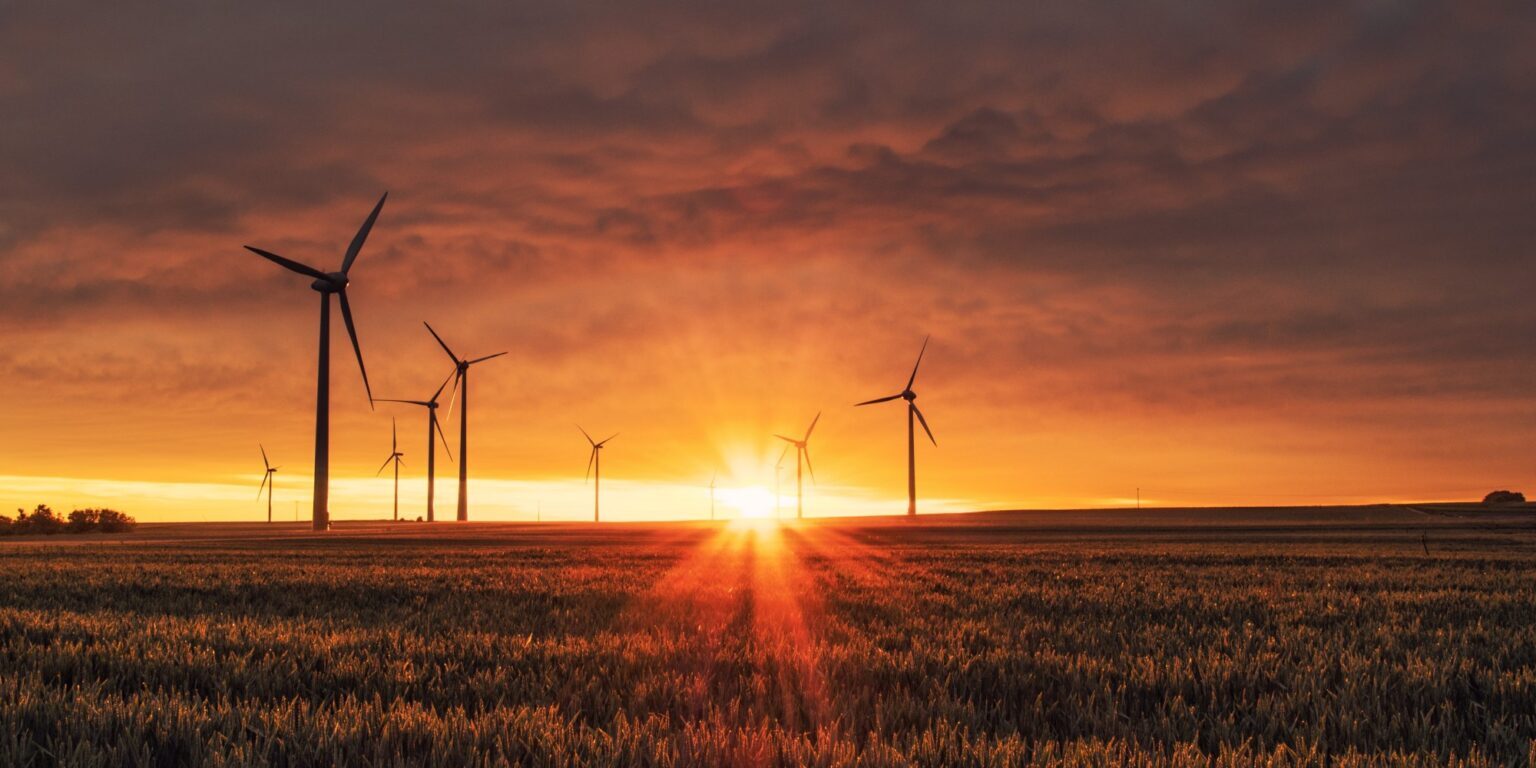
<point>461,384</point>
<point>910,396</point>
<point>394,456</point>
<point>327,284</point>
<point>595,462</point>
<point>432,423</point>
<point>712,478</point>
<point>802,451</point>
<point>268,483</point>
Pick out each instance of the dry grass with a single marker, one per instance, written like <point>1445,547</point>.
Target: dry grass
<point>1008,640</point>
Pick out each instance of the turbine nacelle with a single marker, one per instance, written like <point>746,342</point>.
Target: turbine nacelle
<point>334,282</point>
<point>908,395</point>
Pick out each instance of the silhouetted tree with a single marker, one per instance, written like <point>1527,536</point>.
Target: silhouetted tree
<point>41,520</point>
<point>83,520</point>
<point>113,521</point>
<point>44,520</point>
<point>1504,497</point>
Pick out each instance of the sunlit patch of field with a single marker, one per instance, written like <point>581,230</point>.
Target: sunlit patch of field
<point>1237,637</point>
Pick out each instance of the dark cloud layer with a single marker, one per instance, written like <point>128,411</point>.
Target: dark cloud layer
<point>1159,211</point>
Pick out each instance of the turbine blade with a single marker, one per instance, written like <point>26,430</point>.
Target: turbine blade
<point>382,466</point>
<point>919,362</point>
<point>487,357</point>
<point>786,439</point>
<point>441,434</point>
<point>782,455</point>
<point>591,457</point>
<point>453,395</point>
<point>346,315</point>
<point>264,478</point>
<point>812,427</point>
<point>362,234</point>
<point>878,400</point>
<point>924,422</point>
<point>806,451</point>
<point>302,269</point>
<point>439,391</point>
<point>422,403</point>
<point>394,435</point>
<point>589,437</point>
<point>451,355</point>
<point>264,461</point>
<point>610,437</point>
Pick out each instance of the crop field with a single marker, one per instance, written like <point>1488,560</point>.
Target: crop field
<point>1342,636</point>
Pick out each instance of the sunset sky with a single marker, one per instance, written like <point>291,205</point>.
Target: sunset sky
<point>1224,252</point>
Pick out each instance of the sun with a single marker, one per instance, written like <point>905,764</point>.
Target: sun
<point>751,503</point>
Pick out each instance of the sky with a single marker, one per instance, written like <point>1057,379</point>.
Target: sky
<point>1223,253</point>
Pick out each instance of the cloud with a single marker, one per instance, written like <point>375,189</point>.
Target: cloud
<point>691,211</point>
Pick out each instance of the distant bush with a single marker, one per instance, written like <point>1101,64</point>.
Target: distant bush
<point>82,520</point>
<point>1504,497</point>
<point>43,520</point>
<point>113,521</point>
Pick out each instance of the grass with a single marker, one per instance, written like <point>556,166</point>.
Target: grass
<point>1236,637</point>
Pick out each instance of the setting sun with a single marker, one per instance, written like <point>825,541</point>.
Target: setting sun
<point>753,502</point>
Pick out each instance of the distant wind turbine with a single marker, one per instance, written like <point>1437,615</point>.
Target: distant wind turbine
<point>461,384</point>
<point>327,284</point>
<point>595,470</point>
<point>910,396</point>
<point>268,483</point>
<point>432,424</point>
<point>802,451</point>
<point>394,457</point>
<point>712,478</point>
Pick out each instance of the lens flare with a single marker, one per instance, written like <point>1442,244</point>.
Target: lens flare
<point>750,503</point>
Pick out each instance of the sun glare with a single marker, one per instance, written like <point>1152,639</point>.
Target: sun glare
<point>751,503</point>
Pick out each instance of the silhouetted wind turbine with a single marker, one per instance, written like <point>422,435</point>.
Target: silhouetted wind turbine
<point>712,478</point>
<point>461,384</point>
<point>432,424</point>
<point>327,284</point>
<point>802,450</point>
<point>394,456</point>
<point>595,462</point>
<point>910,396</point>
<point>267,481</point>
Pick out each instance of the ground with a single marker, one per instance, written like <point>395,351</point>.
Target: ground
<point>1388,635</point>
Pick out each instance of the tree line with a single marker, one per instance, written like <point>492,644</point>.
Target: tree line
<point>44,520</point>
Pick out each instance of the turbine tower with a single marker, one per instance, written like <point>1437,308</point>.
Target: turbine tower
<point>268,483</point>
<point>910,396</point>
<point>461,384</point>
<point>432,424</point>
<point>394,456</point>
<point>595,470</point>
<point>802,451</point>
<point>327,284</point>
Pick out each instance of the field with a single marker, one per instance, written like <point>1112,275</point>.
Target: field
<point>1197,637</point>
